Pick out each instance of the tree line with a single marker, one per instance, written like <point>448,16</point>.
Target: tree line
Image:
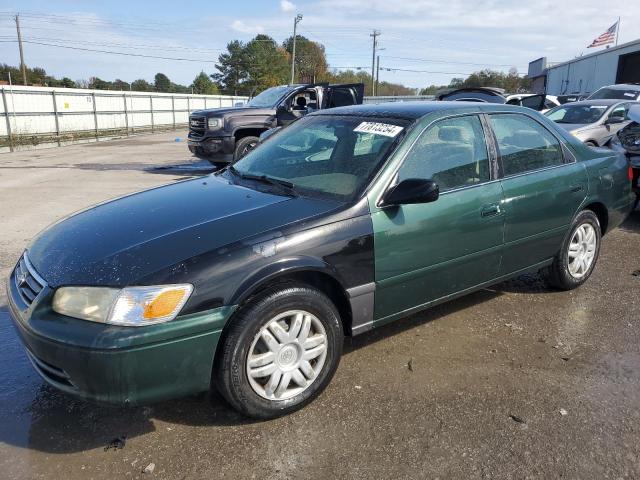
<point>511,82</point>
<point>202,83</point>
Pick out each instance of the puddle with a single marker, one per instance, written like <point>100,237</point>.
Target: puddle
<point>199,167</point>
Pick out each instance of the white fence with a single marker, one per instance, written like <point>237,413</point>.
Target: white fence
<point>41,115</point>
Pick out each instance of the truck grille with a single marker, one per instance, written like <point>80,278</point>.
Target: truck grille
<point>28,283</point>
<point>197,125</point>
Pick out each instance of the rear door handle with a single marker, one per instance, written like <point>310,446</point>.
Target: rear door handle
<point>490,210</point>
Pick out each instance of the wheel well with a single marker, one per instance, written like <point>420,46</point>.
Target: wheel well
<point>601,212</point>
<point>319,280</point>
<point>248,132</point>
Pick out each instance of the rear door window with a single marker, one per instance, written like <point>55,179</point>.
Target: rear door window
<point>451,152</point>
<point>524,144</point>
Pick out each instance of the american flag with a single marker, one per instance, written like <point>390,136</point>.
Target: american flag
<point>607,37</point>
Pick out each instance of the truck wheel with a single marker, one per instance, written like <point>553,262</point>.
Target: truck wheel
<point>577,258</point>
<point>279,351</point>
<point>244,146</point>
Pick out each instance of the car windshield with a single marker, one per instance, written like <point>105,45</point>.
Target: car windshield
<point>323,155</point>
<point>269,98</point>
<point>615,93</point>
<point>577,113</point>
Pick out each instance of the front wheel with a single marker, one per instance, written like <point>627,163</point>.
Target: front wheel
<point>279,352</point>
<point>244,146</point>
<point>579,253</point>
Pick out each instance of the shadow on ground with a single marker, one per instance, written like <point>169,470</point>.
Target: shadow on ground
<point>42,418</point>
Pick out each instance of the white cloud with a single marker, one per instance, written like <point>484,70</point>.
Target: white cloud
<point>287,6</point>
<point>240,26</point>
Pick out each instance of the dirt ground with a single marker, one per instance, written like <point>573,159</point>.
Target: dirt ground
<point>515,381</point>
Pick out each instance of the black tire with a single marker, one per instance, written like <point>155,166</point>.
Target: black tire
<point>230,369</point>
<point>244,146</point>
<point>591,144</point>
<point>558,274</point>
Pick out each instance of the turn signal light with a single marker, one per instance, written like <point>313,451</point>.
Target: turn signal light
<point>164,304</point>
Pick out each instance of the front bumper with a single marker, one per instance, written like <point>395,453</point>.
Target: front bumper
<point>212,145</point>
<point>118,365</point>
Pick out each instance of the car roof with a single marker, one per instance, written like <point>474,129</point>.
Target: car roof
<point>623,86</point>
<point>414,109</point>
<point>605,102</point>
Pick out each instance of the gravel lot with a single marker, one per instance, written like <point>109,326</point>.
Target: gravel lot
<point>515,381</point>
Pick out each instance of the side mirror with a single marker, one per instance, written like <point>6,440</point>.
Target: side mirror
<point>614,120</point>
<point>284,117</point>
<point>411,190</point>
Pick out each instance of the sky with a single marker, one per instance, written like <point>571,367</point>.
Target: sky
<point>425,41</point>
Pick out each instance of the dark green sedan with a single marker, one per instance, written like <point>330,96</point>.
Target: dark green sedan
<point>248,279</point>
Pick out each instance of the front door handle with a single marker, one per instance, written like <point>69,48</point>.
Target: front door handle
<point>490,210</point>
<point>575,188</point>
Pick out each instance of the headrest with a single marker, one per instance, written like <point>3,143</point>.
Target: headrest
<point>450,134</point>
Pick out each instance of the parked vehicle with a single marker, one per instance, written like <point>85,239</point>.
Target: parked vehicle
<point>627,142</point>
<point>223,135</point>
<point>562,99</point>
<point>594,122</point>
<point>472,94</point>
<point>538,102</point>
<point>348,219</point>
<point>621,91</point>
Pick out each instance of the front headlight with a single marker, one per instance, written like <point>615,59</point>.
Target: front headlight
<point>214,123</point>
<point>131,306</point>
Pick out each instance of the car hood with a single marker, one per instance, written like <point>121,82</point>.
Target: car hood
<point>233,112</point>
<point>120,242</point>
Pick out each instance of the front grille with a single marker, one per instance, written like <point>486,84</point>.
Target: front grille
<point>28,283</point>
<point>197,125</point>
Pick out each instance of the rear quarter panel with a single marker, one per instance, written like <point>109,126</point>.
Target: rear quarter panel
<point>609,184</point>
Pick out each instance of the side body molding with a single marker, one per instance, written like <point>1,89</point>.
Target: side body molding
<point>361,299</point>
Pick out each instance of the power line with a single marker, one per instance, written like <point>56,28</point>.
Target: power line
<point>116,53</point>
<point>428,60</point>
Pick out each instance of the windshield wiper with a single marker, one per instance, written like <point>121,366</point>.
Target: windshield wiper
<point>282,185</point>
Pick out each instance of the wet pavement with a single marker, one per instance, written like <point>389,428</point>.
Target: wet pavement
<point>515,381</point>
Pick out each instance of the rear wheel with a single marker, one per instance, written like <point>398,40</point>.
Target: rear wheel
<point>577,258</point>
<point>244,146</point>
<point>279,352</point>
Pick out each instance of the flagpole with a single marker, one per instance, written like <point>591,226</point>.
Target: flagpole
<point>617,31</point>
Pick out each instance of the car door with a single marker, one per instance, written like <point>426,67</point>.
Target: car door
<point>425,252</point>
<point>342,95</point>
<point>543,188</point>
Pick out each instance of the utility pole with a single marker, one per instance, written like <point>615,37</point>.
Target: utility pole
<point>377,73</point>
<point>22,65</point>
<point>375,35</point>
<point>293,53</point>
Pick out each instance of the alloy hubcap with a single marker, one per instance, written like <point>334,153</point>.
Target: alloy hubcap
<point>582,250</point>
<point>287,355</point>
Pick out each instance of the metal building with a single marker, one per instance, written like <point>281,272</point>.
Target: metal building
<point>584,75</point>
